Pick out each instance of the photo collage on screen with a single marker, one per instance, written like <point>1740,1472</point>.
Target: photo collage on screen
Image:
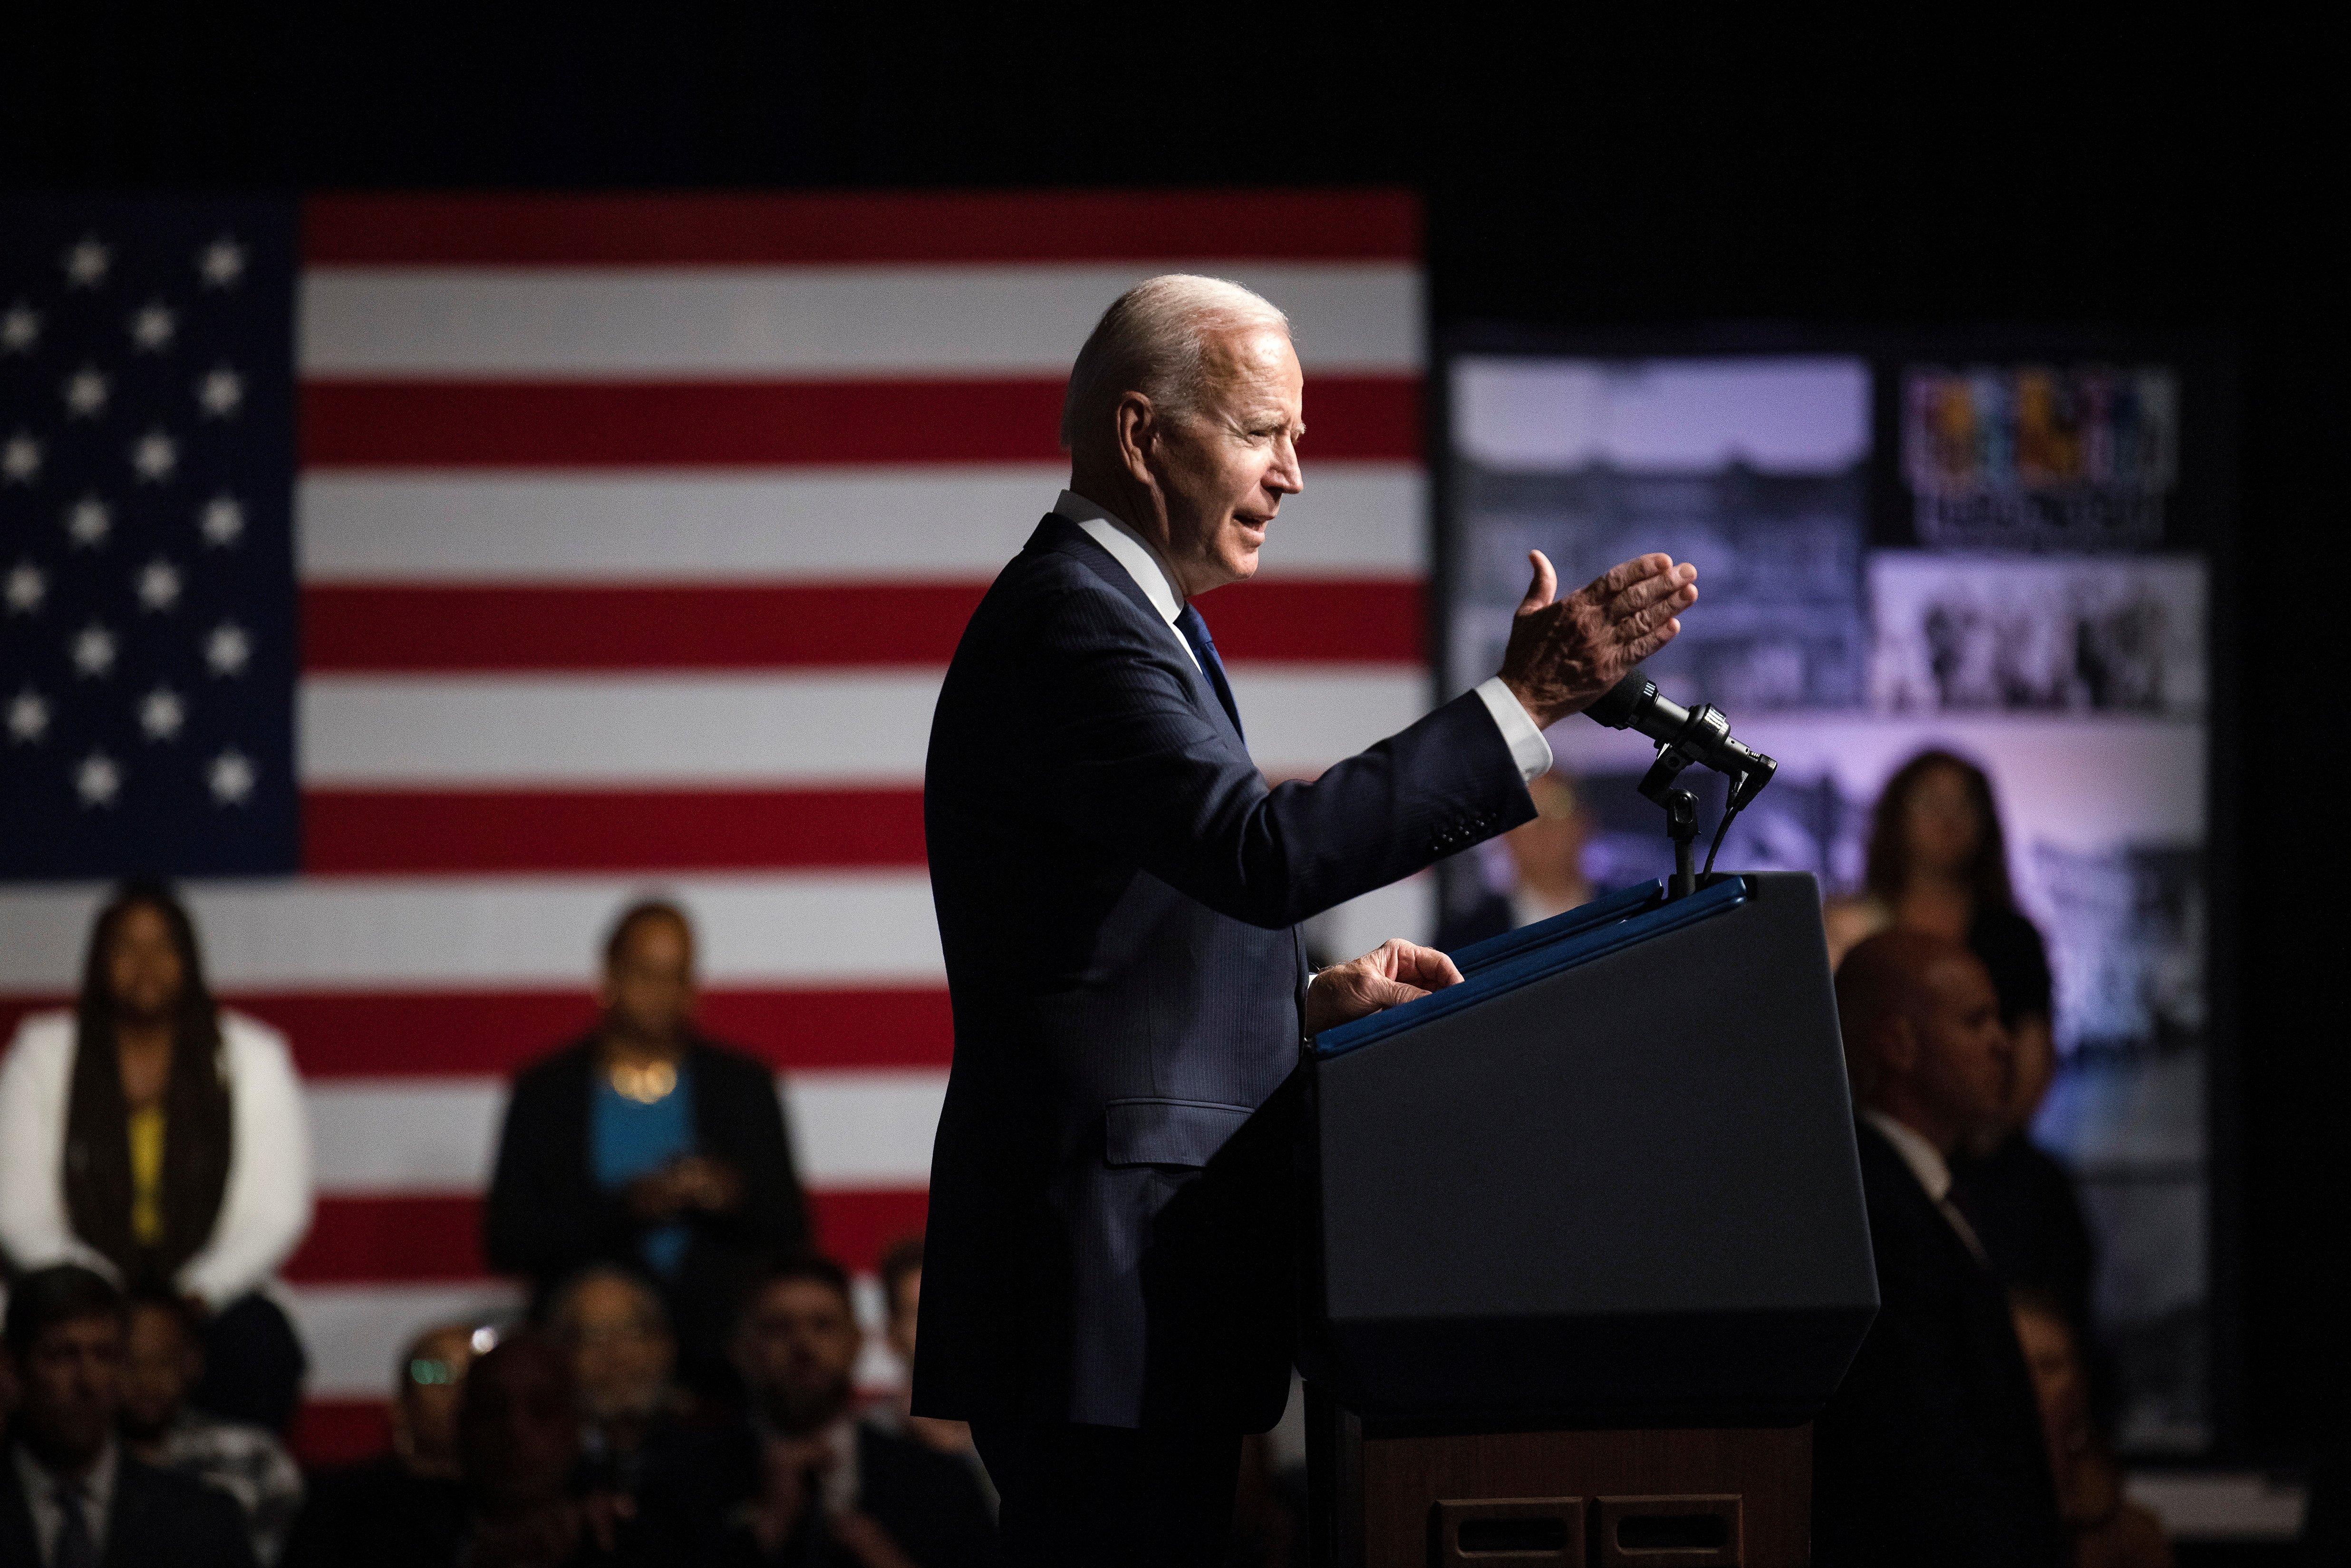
<point>2033,622</point>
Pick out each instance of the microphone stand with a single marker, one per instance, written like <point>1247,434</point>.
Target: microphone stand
<point>1681,817</point>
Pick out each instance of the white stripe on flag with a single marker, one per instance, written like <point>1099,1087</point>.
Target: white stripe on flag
<point>1354,520</point>
<point>836,728</point>
<point>363,934</point>
<point>384,1137</point>
<point>715,322</point>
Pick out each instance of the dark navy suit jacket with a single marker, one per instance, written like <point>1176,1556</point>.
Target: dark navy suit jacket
<point>1117,889</point>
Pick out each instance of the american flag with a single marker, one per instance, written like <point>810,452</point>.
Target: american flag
<point>575,547</point>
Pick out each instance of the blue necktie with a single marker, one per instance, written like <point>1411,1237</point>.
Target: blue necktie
<point>1203,648</point>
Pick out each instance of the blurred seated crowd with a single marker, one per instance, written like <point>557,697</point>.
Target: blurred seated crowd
<point>683,1387</point>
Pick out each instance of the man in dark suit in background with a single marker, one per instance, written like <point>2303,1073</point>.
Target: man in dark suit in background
<point>1932,1451</point>
<point>69,1496</point>
<point>649,1148</point>
<point>1107,1287</point>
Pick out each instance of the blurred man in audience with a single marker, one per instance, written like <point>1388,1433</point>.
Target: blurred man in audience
<point>1546,861</point>
<point>649,1148</point>
<point>901,1269</point>
<point>163,1360</point>
<point>1930,1453</point>
<point>2104,1529</point>
<point>610,1325</point>
<point>401,1509</point>
<point>801,1480</point>
<point>70,1496</point>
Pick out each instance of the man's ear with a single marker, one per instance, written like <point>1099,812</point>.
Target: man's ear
<point>1135,425</point>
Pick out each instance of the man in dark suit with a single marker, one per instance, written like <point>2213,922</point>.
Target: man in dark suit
<point>1932,1451</point>
<point>70,1497</point>
<point>1107,1291</point>
<point>651,1148</point>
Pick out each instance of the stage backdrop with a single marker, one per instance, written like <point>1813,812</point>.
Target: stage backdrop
<point>423,577</point>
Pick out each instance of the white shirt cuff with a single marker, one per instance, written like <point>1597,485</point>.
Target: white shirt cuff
<point>1528,748</point>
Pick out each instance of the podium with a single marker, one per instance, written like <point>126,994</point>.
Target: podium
<point>1587,1245</point>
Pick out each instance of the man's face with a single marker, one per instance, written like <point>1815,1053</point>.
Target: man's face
<point>1223,471</point>
<point>621,1354</point>
<point>519,1430</point>
<point>648,991</point>
<point>144,975</point>
<point>71,1387</point>
<point>160,1365</point>
<point>1966,1063</point>
<point>797,1347</point>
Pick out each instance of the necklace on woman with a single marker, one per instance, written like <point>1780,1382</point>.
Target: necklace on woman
<point>647,1083</point>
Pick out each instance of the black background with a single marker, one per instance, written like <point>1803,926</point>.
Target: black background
<point>1963,165</point>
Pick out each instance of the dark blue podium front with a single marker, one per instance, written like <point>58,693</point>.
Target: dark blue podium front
<point>1608,1182</point>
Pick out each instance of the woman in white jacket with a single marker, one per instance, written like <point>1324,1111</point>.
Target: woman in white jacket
<point>159,1138</point>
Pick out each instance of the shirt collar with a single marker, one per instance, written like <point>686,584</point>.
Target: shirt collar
<point>1925,1160</point>
<point>1143,562</point>
<point>96,1482</point>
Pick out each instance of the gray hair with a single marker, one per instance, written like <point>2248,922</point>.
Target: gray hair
<point>559,1309</point>
<point>1153,340</point>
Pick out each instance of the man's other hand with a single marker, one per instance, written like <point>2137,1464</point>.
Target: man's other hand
<point>1564,652</point>
<point>1395,971</point>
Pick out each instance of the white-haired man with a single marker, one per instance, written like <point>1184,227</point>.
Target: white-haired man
<point>1106,1284</point>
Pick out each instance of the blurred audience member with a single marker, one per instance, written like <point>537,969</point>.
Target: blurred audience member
<point>1938,863</point>
<point>71,1497</point>
<point>408,1507</point>
<point>1546,858</point>
<point>649,1148</point>
<point>163,1359</point>
<point>1930,1451</point>
<point>800,1479</point>
<point>2106,1529</point>
<point>160,1139</point>
<point>901,1269</point>
<point>610,1323</point>
<point>518,1449</point>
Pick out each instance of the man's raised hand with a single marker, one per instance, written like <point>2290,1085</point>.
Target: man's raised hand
<point>1564,652</point>
<point>1395,971</point>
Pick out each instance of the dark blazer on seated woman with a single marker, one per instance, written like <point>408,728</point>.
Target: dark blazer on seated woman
<point>549,1216</point>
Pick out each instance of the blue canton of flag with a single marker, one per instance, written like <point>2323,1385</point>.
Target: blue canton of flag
<point>147,597</point>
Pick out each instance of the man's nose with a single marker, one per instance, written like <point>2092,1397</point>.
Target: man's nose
<point>1286,476</point>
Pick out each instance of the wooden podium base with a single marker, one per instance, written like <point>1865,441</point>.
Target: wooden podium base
<point>1707,1497</point>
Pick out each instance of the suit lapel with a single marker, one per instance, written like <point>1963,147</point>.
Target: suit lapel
<point>1058,535</point>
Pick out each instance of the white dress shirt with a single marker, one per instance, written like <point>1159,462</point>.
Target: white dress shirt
<point>41,1484</point>
<point>1528,748</point>
<point>1934,1173</point>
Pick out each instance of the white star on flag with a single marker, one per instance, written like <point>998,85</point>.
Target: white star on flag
<point>93,651</point>
<point>228,650</point>
<point>89,521</point>
<point>20,458</point>
<point>221,520</point>
<point>233,777</point>
<point>20,328</point>
<point>27,586</point>
<point>158,585</point>
<point>28,717</point>
<point>85,261</point>
<point>151,326</point>
<point>85,393</point>
<point>221,392</point>
<point>221,263</point>
<point>97,780</point>
<point>154,455</point>
<point>161,712</point>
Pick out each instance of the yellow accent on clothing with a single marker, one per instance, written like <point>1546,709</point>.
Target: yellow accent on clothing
<point>147,1176</point>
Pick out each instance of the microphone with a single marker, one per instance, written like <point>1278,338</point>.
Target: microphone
<point>1700,734</point>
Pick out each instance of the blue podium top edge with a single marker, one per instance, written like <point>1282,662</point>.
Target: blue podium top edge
<point>1537,952</point>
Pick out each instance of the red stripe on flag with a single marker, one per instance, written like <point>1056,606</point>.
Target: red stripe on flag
<point>667,831</point>
<point>849,229</point>
<point>735,627</point>
<point>411,1238</point>
<point>605,425</point>
<point>330,1432</point>
<point>394,1034</point>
